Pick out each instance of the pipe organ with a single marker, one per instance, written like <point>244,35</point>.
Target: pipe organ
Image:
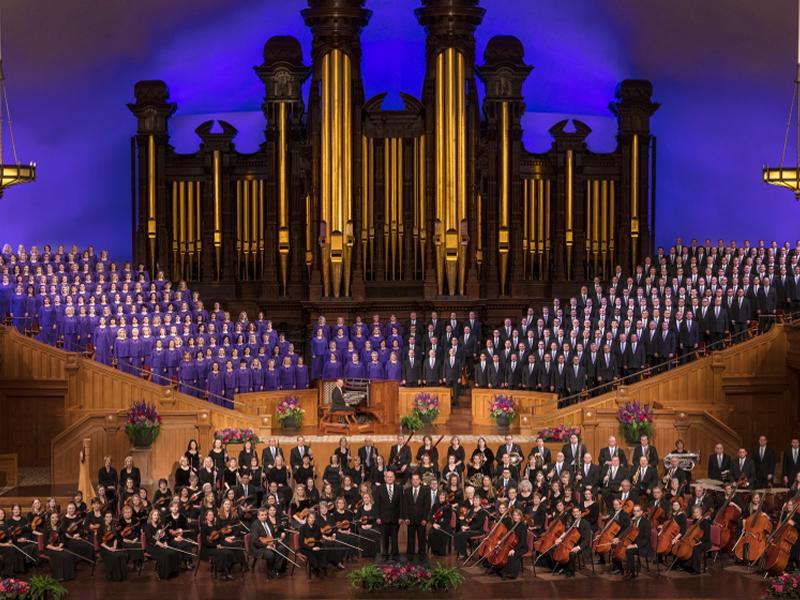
<point>348,202</point>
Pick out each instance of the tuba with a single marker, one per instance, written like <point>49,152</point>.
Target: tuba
<point>515,458</point>
<point>686,461</point>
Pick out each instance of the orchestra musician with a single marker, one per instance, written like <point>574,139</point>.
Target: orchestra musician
<point>695,563</point>
<point>584,544</point>
<point>388,506</point>
<point>743,470</point>
<point>647,450</point>
<point>640,545</point>
<point>471,525</point>
<point>415,511</point>
<point>264,536</point>
<point>645,478</point>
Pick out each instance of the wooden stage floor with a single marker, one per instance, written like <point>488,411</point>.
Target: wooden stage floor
<point>722,585</point>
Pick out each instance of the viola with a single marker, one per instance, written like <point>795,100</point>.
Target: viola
<point>73,528</point>
<point>326,530</point>
<point>126,533</point>
<point>563,551</point>
<point>626,540</point>
<point>266,540</point>
<point>343,525</point>
<point>108,537</point>
<point>37,522</point>
<point>669,532</point>
<point>310,541</point>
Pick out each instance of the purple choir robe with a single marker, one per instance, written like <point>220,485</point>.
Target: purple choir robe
<point>135,353</point>
<point>122,353</point>
<point>257,379</point>
<point>187,376</point>
<point>215,385</point>
<point>358,342</point>
<point>103,345</point>
<point>375,371</point>
<point>394,371</point>
<point>270,380</point>
<point>48,332</point>
<point>173,360</point>
<point>158,366</point>
<point>18,315</point>
<point>230,378</point>
<point>203,367</point>
<point>354,371</point>
<point>286,378</point>
<point>301,377</point>
<point>332,370</point>
<point>318,354</point>
<point>244,381</point>
<point>70,333</point>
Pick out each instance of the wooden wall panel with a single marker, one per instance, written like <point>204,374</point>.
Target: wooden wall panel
<point>527,403</point>
<point>24,358</point>
<point>406,396</point>
<point>266,403</point>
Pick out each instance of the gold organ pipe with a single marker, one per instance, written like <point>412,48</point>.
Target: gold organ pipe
<point>394,221</point>
<point>182,217</point>
<point>283,196</point>
<point>604,225</point>
<point>525,231</point>
<point>441,175</point>
<point>422,201</point>
<point>217,211</point>
<point>175,230</point>
<point>587,238</point>
<point>151,200</point>
<point>387,204</point>
<point>634,196</point>
<point>371,205</point>
<point>479,229</point>
<point>504,242</point>
<point>347,180</point>
<point>325,179</point>
<point>261,240</point>
<point>190,223</point>
<point>246,242</point>
<point>198,217</point>
<point>239,227</point>
<point>461,120</point>
<point>540,200</point>
<point>309,235</point>
<point>450,123</point>
<point>611,218</point>
<point>400,222</point>
<point>365,200</point>
<point>569,231</point>
<point>547,214</point>
<point>336,154</point>
<point>415,206</point>
<point>596,222</point>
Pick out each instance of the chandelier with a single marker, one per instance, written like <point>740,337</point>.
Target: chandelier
<point>789,176</point>
<point>11,173</point>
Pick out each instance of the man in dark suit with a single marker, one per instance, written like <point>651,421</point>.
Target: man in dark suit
<point>688,335</point>
<point>644,478</point>
<point>337,398</point>
<point>297,453</point>
<point>588,474</point>
<point>584,545</point>
<point>791,462</point>
<point>432,370</point>
<point>641,546</point>
<point>412,370</point>
<point>542,450</point>
<point>245,491</point>
<point>508,448</point>
<point>767,303</point>
<point>496,372</point>
<point>667,346</point>
<point>451,376</point>
<point>764,459</point>
<point>573,451</point>
<point>637,355</point>
<point>415,509</point>
<point>743,469</point>
<point>718,463</point>
<point>475,326</point>
<point>718,322</point>
<point>368,454</point>
<point>269,454</point>
<point>742,312</point>
<point>560,376</point>
<point>607,369</point>
<point>482,371</point>
<point>546,371</point>
<point>513,373</point>
<point>400,458</point>
<point>388,509</point>
<point>576,378</point>
<point>530,373</point>
<point>612,479</point>
<point>647,450</point>
<point>609,452</point>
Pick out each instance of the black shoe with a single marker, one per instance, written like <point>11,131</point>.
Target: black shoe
<point>569,574</point>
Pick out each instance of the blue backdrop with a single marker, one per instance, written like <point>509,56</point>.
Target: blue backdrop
<point>722,70</point>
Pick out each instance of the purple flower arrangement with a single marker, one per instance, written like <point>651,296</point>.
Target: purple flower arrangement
<point>235,435</point>
<point>558,433</point>
<point>635,420</point>
<point>11,589</point>
<point>783,586</point>
<point>289,408</point>
<point>503,406</point>
<point>405,577</point>
<point>426,406</point>
<point>143,421</point>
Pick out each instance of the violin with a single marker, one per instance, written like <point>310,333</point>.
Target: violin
<point>626,540</point>
<point>54,539</point>
<point>326,530</point>
<point>266,540</point>
<point>627,506</point>
<point>37,522</point>
<point>126,533</point>
<point>343,525</point>
<point>73,528</point>
<point>310,542</point>
<point>656,515</point>
<point>108,537</point>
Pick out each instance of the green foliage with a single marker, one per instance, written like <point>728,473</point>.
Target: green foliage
<point>411,422</point>
<point>443,579</point>
<point>44,587</point>
<point>369,577</point>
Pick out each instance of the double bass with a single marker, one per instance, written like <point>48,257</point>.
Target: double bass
<point>727,519</point>
<point>779,544</point>
<point>755,530</point>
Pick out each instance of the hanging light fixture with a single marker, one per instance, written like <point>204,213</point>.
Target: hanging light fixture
<point>789,176</point>
<point>11,173</point>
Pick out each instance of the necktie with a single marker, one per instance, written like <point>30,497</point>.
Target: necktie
<point>761,452</point>
<point>794,454</point>
<point>741,463</point>
<point>586,470</point>
<point>416,493</point>
<point>613,472</point>
<point>389,489</point>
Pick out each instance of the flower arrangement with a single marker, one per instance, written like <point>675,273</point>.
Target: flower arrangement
<point>11,589</point>
<point>503,407</point>
<point>235,435</point>
<point>558,433</point>
<point>408,576</point>
<point>426,406</point>
<point>635,420</point>
<point>44,587</point>
<point>784,586</point>
<point>143,424</point>
<point>411,422</point>
<point>289,411</point>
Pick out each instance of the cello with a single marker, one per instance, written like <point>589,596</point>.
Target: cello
<point>684,548</point>
<point>604,539</point>
<point>493,540</point>
<point>569,540</point>
<point>626,540</point>
<point>755,530</point>
<point>727,519</point>
<point>779,544</point>
<point>498,556</point>
<point>669,531</point>
<point>551,534</point>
